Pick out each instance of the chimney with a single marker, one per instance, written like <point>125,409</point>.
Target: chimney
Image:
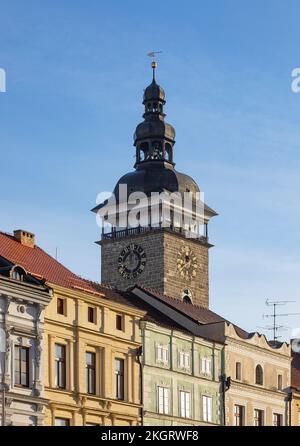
<point>25,238</point>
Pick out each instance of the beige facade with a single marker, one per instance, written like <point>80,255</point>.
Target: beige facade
<point>71,332</point>
<point>260,377</point>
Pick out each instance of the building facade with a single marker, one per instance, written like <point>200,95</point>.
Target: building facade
<point>92,374</point>
<point>181,378</point>
<point>294,396</point>
<point>259,375</point>
<point>91,369</point>
<point>23,300</point>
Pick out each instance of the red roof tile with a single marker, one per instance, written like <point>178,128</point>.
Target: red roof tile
<point>42,265</point>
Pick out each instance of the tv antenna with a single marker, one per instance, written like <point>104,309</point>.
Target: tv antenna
<point>275,327</point>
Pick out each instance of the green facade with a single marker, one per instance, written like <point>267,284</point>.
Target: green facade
<point>171,374</point>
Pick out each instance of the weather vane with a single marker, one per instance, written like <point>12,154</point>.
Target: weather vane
<point>153,54</point>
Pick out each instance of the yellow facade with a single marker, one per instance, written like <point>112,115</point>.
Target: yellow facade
<point>295,408</point>
<point>73,404</point>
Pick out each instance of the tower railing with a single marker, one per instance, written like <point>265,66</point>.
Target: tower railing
<point>120,233</point>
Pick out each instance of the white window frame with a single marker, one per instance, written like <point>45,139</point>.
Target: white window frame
<point>281,418</point>
<point>185,404</point>
<point>206,365</point>
<point>207,404</point>
<point>162,353</point>
<point>263,416</point>
<point>235,406</point>
<point>184,360</point>
<point>163,400</point>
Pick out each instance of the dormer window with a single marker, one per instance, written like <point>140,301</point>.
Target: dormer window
<point>18,274</point>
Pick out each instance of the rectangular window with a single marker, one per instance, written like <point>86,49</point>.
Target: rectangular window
<point>185,405</point>
<point>60,366</point>
<point>119,322</point>
<point>119,378</point>
<point>207,408</point>
<point>62,422</point>
<point>92,315</point>
<point>239,412</point>
<point>238,371</point>
<point>163,400</point>
<point>184,360</point>
<point>279,382</point>
<point>206,365</point>
<point>277,419</point>
<point>21,366</point>
<point>162,353</point>
<point>258,417</point>
<point>61,306</point>
<point>91,373</point>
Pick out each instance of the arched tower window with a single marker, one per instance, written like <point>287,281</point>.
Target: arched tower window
<point>143,151</point>
<point>259,375</point>
<point>169,152</point>
<point>157,150</point>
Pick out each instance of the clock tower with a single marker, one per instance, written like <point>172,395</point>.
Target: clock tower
<point>167,252</point>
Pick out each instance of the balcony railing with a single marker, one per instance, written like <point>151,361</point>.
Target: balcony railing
<point>115,233</point>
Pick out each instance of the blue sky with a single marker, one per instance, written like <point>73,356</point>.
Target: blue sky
<point>75,78</point>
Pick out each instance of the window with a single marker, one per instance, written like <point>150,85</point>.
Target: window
<point>277,419</point>
<point>206,365</point>
<point>185,404</point>
<point>207,408</point>
<point>184,360</point>
<point>92,424</point>
<point>61,306</point>
<point>119,376</point>
<point>119,322</point>
<point>239,412</point>
<point>21,366</point>
<point>62,422</point>
<point>259,375</point>
<point>279,382</point>
<point>92,315</point>
<point>258,417</point>
<point>60,366</point>
<point>238,370</point>
<point>91,373</point>
<point>163,400</point>
<point>17,274</point>
<point>162,353</point>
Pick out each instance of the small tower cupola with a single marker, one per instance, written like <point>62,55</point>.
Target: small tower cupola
<point>154,138</point>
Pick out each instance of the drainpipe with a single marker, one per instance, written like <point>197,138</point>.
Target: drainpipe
<point>226,384</point>
<point>289,399</point>
<point>139,358</point>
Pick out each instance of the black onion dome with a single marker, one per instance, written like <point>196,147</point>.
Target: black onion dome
<point>154,92</point>
<point>158,177</point>
<point>154,129</point>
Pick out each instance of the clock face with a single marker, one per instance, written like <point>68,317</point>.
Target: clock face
<point>131,261</point>
<point>187,264</point>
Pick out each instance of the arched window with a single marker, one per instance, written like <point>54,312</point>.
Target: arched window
<point>259,375</point>
<point>168,150</point>
<point>143,151</point>
<point>18,274</point>
<point>187,300</point>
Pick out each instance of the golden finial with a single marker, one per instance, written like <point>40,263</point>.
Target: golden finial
<point>152,54</point>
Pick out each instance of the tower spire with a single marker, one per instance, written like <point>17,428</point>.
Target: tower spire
<point>153,54</point>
